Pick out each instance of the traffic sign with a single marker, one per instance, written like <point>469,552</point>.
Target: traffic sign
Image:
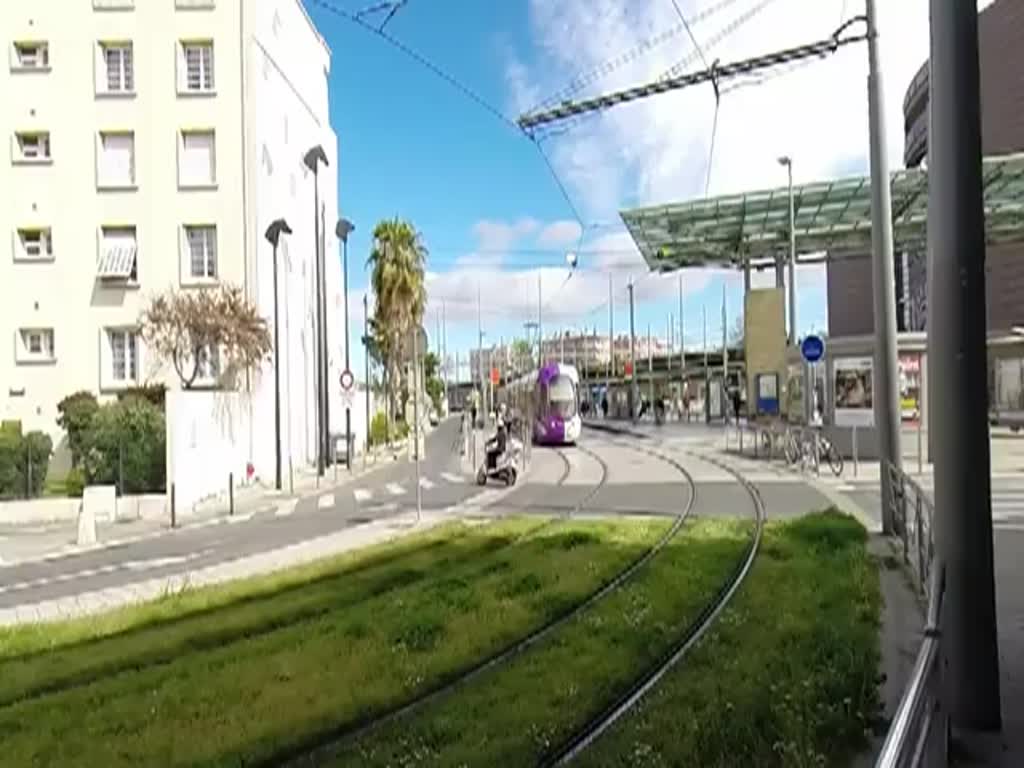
<point>495,376</point>
<point>628,369</point>
<point>812,348</point>
<point>347,380</point>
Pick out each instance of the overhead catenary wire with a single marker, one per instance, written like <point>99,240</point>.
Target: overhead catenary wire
<point>453,82</point>
<point>820,48</point>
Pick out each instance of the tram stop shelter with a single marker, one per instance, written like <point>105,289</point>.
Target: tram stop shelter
<point>832,221</point>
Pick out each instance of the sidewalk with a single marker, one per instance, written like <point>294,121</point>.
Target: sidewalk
<point>20,544</point>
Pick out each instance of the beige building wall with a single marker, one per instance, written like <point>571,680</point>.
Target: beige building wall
<point>764,320</point>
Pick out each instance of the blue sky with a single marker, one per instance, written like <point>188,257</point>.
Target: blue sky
<point>490,211</point>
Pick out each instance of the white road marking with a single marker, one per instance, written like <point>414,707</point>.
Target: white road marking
<point>240,519</point>
<point>395,489</point>
<point>326,501</point>
<point>286,508</point>
<point>362,494</point>
<point>426,483</point>
<point>451,477</point>
<point>128,565</point>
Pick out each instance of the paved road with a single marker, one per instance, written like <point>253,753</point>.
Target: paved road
<point>191,548</point>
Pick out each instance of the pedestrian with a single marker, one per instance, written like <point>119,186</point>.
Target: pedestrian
<point>736,402</point>
<point>604,405</point>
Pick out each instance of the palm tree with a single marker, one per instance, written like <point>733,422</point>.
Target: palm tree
<point>398,262</point>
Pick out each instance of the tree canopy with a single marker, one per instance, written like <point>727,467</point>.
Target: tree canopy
<point>182,327</point>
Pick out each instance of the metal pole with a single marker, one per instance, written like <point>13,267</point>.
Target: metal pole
<point>792,257</point>
<point>444,352</point>
<point>920,414</point>
<point>632,357</point>
<point>277,383</point>
<point>707,373</point>
<point>416,417</point>
<point>348,407</point>
<point>320,441</point>
<point>366,364</point>
<point>886,384</point>
<point>611,338</point>
<point>957,355</point>
<point>329,449</point>
<point>682,341</point>
<point>540,322</point>
<point>650,368</point>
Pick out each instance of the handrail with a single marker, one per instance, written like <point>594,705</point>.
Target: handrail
<point>911,731</point>
<point>914,737</point>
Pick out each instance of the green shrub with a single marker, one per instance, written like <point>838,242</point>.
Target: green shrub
<point>126,447</point>
<point>76,412</point>
<point>24,460</point>
<point>74,483</point>
<point>379,429</point>
<point>154,393</point>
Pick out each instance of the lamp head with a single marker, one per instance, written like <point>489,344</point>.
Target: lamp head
<point>571,259</point>
<point>313,156</point>
<point>343,229</point>
<point>277,228</point>
<point>785,160</point>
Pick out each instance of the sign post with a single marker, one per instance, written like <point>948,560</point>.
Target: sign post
<point>347,381</point>
<point>812,349</point>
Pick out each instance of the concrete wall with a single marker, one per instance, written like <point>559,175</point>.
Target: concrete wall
<point>37,511</point>
<point>208,439</point>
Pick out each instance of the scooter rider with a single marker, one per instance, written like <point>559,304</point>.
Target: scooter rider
<point>497,445</point>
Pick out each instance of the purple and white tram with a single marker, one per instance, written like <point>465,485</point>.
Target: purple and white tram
<point>551,396</point>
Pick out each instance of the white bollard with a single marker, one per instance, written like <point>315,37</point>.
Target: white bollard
<point>86,525</point>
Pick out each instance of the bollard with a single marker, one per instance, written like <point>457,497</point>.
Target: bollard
<point>231,493</point>
<point>174,514</point>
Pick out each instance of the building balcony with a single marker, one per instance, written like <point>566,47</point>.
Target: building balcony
<point>917,92</point>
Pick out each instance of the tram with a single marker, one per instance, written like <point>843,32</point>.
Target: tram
<point>550,398</point>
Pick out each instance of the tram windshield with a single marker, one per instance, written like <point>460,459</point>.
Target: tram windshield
<point>562,397</point>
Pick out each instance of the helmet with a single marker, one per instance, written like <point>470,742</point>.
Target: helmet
<point>502,410</point>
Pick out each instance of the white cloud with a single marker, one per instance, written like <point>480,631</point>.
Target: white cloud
<point>494,239</point>
<point>560,233</point>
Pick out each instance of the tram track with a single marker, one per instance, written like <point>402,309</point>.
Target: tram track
<point>310,752</point>
<point>592,730</point>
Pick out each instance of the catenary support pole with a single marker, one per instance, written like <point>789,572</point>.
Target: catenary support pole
<point>632,358</point>
<point>957,357</point>
<point>886,379</point>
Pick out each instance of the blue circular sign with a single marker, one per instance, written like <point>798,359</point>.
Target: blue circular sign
<point>812,348</point>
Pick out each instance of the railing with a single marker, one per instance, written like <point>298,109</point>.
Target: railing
<point>919,732</point>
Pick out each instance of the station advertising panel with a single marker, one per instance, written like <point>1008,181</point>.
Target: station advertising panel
<point>854,392</point>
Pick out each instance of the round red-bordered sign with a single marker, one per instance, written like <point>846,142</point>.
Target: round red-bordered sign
<point>347,380</point>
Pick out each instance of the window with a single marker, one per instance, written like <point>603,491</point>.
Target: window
<point>33,244</point>
<point>32,147</point>
<point>115,160</point>
<point>197,159</point>
<point>123,344</point>
<point>195,67</point>
<point>115,73</point>
<point>201,252</point>
<point>30,56</point>
<point>118,257</point>
<point>35,345</point>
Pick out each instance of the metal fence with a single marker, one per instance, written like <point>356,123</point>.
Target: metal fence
<point>919,733</point>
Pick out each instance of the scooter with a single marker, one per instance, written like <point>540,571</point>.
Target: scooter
<point>505,465</point>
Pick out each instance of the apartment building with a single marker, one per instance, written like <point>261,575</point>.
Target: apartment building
<point>151,144</point>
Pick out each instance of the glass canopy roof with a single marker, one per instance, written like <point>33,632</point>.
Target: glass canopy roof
<point>833,216</point>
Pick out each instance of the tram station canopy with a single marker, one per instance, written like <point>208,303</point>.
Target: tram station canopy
<point>831,216</point>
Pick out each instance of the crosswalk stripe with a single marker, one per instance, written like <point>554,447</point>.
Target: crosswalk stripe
<point>285,509</point>
<point>395,489</point>
<point>325,501</point>
<point>426,483</point>
<point>450,477</point>
<point>362,494</point>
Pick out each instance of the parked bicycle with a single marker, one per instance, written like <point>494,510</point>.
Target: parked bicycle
<point>809,446</point>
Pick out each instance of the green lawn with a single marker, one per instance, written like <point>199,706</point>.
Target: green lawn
<point>788,676</point>
<point>234,674</point>
<point>523,710</point>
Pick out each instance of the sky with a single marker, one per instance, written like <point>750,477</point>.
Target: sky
<point>498,213</point>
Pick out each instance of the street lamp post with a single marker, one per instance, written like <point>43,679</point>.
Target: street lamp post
<point>366,363</point>
<point>343,229</point>
<point>788,163</point>
<point>274,231</point>
<point>313,159</point>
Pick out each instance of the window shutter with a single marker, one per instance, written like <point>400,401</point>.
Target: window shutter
<point>117,164</point>
<point>197,158</point>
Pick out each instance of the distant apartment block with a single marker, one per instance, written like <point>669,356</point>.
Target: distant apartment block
<point>151,143</point>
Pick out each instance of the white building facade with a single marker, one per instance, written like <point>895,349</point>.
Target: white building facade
<point>151,144</point>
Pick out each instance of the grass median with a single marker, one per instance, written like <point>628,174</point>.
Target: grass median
<point>519,713</point>
<point>788,675</point>
<point>232,676</point>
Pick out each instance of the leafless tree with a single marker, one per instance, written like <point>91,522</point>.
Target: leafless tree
<point>182,327</point>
